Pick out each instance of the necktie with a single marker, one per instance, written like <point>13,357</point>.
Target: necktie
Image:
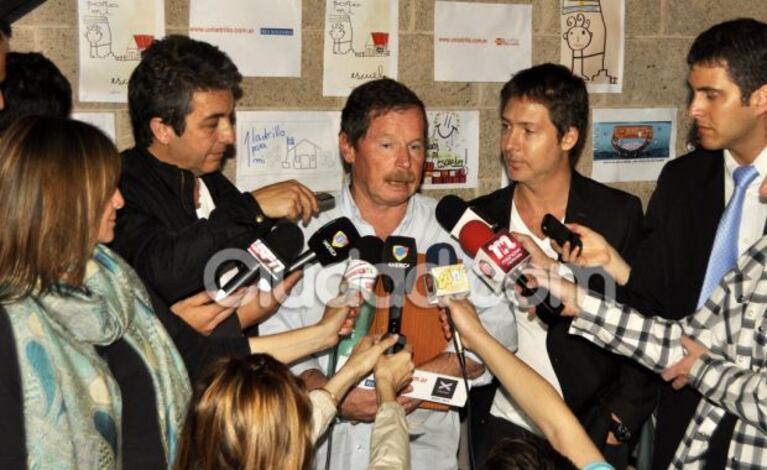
<point>724,253</point>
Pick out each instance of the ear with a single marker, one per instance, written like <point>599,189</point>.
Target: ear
<point>347,149</point>
<point>569,139</point>
<point>758,100</point>
<point>162,132</point>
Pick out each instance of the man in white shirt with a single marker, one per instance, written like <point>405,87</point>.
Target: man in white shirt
<point>383,141</point>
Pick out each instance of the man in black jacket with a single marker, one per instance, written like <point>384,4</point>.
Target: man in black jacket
<point>727,80</point>
<point>544,115</point>
<point>179,208</point>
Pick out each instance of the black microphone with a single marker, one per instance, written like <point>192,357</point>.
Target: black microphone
<point>447,277</point>
<point>398,260</point>
<point>453,213</point>
<point>329,244</point>
<point>269,254</point>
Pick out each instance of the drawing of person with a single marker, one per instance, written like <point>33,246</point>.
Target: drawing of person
<point>586,37</point>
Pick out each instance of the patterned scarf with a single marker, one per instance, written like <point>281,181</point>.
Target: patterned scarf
<point>72,403</point>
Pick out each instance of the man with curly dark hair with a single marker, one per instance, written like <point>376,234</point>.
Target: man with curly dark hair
<point>179,208</point>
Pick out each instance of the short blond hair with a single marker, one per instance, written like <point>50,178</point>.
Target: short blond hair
<point>249,414</point>
<point>56,175</point>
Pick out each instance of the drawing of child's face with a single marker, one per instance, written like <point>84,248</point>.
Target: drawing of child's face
<point>578,36</point>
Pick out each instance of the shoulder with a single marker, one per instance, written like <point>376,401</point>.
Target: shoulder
<point>603,195</point>
<point>493,198</point>
<point>696,162</point>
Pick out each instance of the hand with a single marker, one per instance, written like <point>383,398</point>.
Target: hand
<point>367,354</point>
<point>287,199</point>
<point>338,318</point>
<point>393,372</point>
<point>359,405</point>
<point>537,256</point>
<point>257,305</point>
<point>201,313</point>
<point>564,290</point>
<point>677,374</point>
<point>465,319</point>
<point>596,252</point>
<point>611,439</point>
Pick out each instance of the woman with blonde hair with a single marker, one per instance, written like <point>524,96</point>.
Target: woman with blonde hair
<point>253,414</point>
<point>88,376</point>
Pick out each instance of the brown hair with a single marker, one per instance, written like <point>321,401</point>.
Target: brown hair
<point>56,176</point>
<point>249,414</point>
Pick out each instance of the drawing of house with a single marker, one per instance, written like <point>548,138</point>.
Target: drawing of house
<point>303,155</point>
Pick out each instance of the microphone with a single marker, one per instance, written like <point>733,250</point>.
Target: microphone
<point>269,254</point>
<point>453,213</point>
<point>398,260</point>
<point>498,256</point>
<point>447,277</point>
<point>328,245</point>
<point>360,276</point>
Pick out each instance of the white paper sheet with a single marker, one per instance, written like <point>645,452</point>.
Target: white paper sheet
<point>632,144</point>
<point>263,37</point>
<point>592,42</point>
<point>361,43</point>
<point>452,159</point>
<point>481,42</point>
<point>104,121</point>
<point>112,35</point>
<point>279,145</point>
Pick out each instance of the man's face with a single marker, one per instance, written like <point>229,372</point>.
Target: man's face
<point>387,163</point>
<point>722,119</point>
<point>529,144</point>
<point>209,132</point>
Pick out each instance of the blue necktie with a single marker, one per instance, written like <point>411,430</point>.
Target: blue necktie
<point>724,253</point>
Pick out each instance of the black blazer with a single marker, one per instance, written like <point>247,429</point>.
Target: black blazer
<point>667,274</point>
<point>594,382</point>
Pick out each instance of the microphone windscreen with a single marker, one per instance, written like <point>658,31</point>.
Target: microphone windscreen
<point>473,235</point>
<point>370,249</point>
<point>286,240</point>
<point>441,254</point>
<point>449,211</point>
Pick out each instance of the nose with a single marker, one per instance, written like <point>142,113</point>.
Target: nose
<point>510,140</point>
<point>117,200</point>
<point>227,132</point>
<point>404,157</point>
<point>695,108</point>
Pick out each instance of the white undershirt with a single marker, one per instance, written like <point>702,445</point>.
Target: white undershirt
<point>206,201</point>
<point>531,336</point>
<point>754,210</point>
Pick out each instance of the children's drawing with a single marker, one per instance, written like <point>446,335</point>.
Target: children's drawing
<point>113,34</point>
<point>453,150</point>
<point>592,42</point>
<point>360,43</point>
<point>632,144</point>
<point>280,145</point>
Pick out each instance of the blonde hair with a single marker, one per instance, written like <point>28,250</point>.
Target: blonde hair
<point>249,414</point>
<point>56,176</point>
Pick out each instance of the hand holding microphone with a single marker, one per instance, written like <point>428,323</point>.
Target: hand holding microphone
<point>447,278</point>
<point>399,257</point>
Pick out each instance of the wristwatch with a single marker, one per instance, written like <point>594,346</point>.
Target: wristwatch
<point>621,432</point>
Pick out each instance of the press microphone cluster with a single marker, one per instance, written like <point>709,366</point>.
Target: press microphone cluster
<point>498,256</point>
<point>277,253</point>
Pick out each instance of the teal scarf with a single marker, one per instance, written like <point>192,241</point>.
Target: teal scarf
<point>72,404</point>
